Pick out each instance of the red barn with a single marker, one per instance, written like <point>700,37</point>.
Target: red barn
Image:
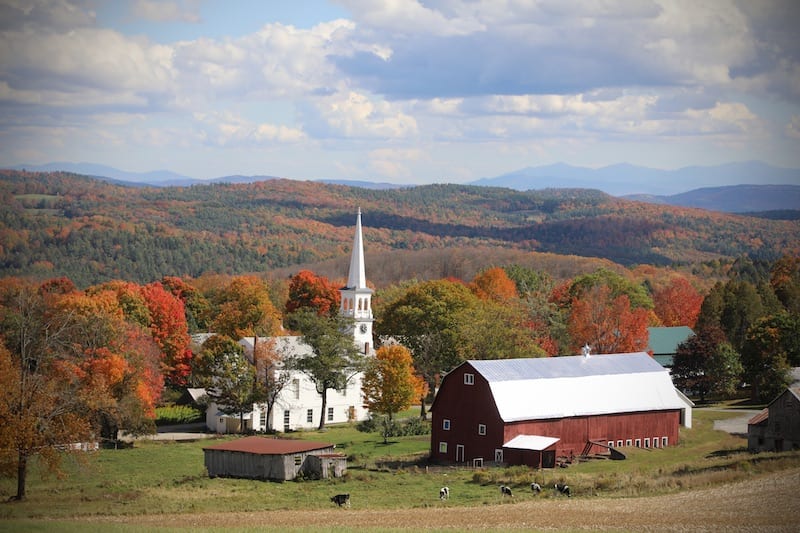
<point>531,411</point>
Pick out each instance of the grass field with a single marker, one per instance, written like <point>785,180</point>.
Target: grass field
<point>168,480</point>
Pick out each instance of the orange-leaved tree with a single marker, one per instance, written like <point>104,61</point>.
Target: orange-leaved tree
<point>244,309</point>
<point>494,284</point>
<point>678,304</point>
<point>306,289</point>
<point>607,324</point>
<point>169,330</point>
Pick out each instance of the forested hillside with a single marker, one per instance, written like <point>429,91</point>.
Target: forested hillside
<point>54,224</point>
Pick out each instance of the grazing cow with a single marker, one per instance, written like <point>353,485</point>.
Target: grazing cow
<point>505,491</point>
<point>563,489</point>
<point>536,488</point>
<point>341,500</point>
<point>444,493</point>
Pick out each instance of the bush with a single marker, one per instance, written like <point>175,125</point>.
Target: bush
<point>178,414</point>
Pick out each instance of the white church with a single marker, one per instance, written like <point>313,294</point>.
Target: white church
<point>299,404</point>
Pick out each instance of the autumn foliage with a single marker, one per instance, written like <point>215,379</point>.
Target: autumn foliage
<point>390,384</point>
<point>678,304</point>
<point>306,289</point>
<point>607,324</point>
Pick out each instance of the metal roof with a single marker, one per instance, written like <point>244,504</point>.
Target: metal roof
<point>665,340</point>
<point>558,387</point>
<point>531,442</point>
<point>265,446</point>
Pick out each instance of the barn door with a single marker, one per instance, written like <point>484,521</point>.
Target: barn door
<point>460,453</point>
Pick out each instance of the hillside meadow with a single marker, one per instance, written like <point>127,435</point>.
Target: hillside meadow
<point>163,483</point>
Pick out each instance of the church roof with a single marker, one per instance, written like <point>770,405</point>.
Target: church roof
<point>559,387</point>
<point>357,277</point>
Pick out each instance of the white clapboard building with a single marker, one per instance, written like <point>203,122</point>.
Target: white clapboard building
<point>299,404</point>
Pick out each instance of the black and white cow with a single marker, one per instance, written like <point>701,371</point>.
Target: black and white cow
<point>505,491</point>
<point>444,493</point>
<point>536,488</point>
<point>341,500</point>
<point>563,489</point>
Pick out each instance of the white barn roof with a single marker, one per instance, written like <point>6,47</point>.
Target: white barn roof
<point>559,387</point>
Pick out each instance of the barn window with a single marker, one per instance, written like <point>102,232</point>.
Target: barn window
<point>481,429</point>
<point>442,447</point>
<point>628,442</point>
<point>655,442</point>
<point>647,443</point>
<point>310,415</point>
<point>611,444</point>
<point>619,444</point>
<point>664,442</point>
<point>330,414</point>
<point>477,462</point>
<point>638,443</point>
<point>446,424</point>
<point>469,379</point>
<point>298,460</point>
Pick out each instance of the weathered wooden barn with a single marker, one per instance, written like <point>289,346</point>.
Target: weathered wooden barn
<point>274,459</point>
<point>776,428</point>
<point>533,411</point>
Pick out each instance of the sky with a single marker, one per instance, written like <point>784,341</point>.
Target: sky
<point>399,91</point>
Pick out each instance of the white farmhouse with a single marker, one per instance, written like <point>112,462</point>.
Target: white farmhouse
<point>299,404</point>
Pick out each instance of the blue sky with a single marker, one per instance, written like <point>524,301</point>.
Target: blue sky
<point>403,91</point>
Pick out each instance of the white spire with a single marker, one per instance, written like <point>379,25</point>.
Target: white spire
<point>357,278</point>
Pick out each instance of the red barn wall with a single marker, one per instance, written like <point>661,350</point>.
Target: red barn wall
<point>466,406</point>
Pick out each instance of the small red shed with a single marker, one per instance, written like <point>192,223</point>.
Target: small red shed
<point>533,411</point>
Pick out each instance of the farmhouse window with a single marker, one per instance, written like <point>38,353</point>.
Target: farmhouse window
<point>330,414</point>
<point>296,388</point>
<point>481,429</point>
<point>446,424</point>
<point>310,415</point>
<point>442,447</point>
<point>263,419</point>
<point>469,379</point>
<point>286,420</point>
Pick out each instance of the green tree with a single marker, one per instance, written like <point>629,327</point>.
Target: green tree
<point>725,370</point>
<point>765,358</point>
<point>230,381</point>
<point>335,358</point>
<point>693,361</point>
<point>618,285</point>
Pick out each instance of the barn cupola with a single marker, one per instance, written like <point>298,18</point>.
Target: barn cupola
<point>356,301</point>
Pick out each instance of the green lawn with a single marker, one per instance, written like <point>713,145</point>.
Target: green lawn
<point>169,477</point>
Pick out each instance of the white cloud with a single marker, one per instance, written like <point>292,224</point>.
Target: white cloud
<point>356,115</point>
<point>228,129</point>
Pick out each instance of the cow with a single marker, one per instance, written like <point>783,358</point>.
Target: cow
<point>341,500</point>
<point>444,493</point>
<point>563,489</point>
<point>536,488</point>
<point>505,491</point>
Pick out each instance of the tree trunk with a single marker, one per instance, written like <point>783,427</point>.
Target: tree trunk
<point>324,407</point>
<point>22,474</point>
<point>422,413</point>
<point>241,422</point>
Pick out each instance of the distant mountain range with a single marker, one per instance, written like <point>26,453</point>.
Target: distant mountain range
<point>750,186</point>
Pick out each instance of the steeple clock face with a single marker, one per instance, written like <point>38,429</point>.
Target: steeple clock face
<point>363,328</point>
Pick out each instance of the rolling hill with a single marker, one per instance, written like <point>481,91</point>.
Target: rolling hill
<point>54,224</point>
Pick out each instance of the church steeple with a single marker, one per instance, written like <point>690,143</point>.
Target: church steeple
<point>357,278</point>
<point>356,301</point>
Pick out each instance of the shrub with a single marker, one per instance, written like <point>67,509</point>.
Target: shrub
<point>178,414</point>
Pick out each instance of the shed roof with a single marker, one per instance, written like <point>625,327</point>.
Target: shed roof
<point>762,416</point>
<point>664,341</point>
<point>559,387</point>
<point>265,446</point>
<point>531,442</point>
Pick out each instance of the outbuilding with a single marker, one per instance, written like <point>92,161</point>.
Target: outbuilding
<point>776,428</point>
<point>535,411</point>
<point>274,459</point>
